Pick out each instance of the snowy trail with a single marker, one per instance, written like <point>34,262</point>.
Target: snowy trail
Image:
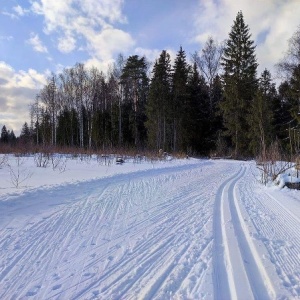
<point>276,222</point>
<point>238,270</point>
<point>185,232</point>
<point>137,235</point>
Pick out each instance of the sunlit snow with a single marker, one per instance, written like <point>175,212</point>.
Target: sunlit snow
<point>88,228</point>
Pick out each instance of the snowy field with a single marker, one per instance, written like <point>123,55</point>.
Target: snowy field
<point>178,229</point>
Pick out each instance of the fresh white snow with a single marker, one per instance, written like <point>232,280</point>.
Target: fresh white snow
<point>175,229</point>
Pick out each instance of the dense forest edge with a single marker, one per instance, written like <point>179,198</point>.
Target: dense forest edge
<point>216,105</point>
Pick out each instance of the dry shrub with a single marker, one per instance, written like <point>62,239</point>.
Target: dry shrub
<point>272,162</point>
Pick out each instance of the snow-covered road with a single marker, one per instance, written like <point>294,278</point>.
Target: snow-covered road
<point>205,230</point>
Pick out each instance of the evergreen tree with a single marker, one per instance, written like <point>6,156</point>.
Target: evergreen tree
<point>134,81</point>
<point>4,135</point>
<point>25,135</point>
<point>295,94</point>
<point>216,119</point>
<point>45,127</point>
<point>294,103</point>
<point>158,104</point>
<point>282,116</point>
<point>240,83</point>
<point>196,121</point>
<point>179,101</point>
<point>11,137</point>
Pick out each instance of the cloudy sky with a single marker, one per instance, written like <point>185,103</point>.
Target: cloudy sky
<point>42,36</point>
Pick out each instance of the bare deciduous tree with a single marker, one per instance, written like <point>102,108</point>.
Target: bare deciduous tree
<point>272,162</point>
<point>18,172</point>
<point>291,58</point>
<point>208,61</point>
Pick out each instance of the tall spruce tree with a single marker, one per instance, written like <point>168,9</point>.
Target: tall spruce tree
<point>196,121</point>
<point>240,83</point>
<point>135,83</point>
<point>294,125</point>
<point>25,135</point>
<point>158,118</point>
<point>4,135</point>
<point>179,101</point>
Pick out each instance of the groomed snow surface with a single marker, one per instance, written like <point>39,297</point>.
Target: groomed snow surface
<point>177,229</point>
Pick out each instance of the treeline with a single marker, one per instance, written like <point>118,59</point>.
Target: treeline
<point>217,104</point>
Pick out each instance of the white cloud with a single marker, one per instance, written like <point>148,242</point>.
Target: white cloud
<point>108,42</point>
<point>18,89</point>
<point>153,54</point>
<point>86,25</point>
<point>104,66</point>
<point>271,23</point>
<point>6,38</point>
<point>36,43</point>
<point>11,15</point>
<point>66,44</point>
<point>57,14</point>
<point>104,9</point>
<point>19,10</point>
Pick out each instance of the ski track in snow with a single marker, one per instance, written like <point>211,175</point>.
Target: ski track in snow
<point>238,270</point>
<point>190,232</point>
<point>277,227</point>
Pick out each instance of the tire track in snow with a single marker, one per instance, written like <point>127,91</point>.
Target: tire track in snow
<point>233,248</point>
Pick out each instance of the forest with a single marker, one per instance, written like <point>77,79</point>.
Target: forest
<point>211,104</point>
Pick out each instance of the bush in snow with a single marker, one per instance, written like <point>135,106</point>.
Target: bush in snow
<point>271,163</point>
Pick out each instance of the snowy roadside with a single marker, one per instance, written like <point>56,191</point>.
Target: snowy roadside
<point>70,171</point>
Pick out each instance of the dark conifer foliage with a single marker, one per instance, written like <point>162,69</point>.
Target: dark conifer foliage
<point>179,102</point>
<point>290,93</point>
<point>240,83</point>
<point>7,136</point>
<point>196,121</point>
<point>261,118</point>
<point>4,135</point>
<point>216,105</point>
<point>158,104</point>
<point>26,135</point>
<point>134,83</point>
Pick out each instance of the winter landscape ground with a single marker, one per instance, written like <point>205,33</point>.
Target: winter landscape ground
<point>176,229</point>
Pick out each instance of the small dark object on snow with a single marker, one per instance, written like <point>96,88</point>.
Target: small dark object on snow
<point>293,185</point>
<point>119,161</point>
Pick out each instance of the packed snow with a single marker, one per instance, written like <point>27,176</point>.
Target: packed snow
<point>88,228</point>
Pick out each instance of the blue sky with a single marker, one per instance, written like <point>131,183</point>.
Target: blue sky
<point>42,36</point>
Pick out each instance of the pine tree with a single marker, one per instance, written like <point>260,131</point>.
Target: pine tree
<point>240,83</point>
<point>157,104</point>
